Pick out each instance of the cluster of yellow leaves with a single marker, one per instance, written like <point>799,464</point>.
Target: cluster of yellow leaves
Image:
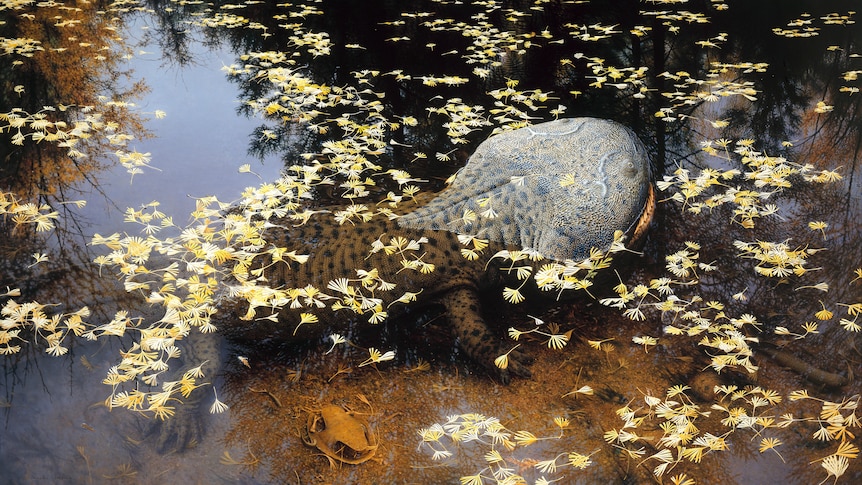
<point>520,263</point>
<point>33,317</point>
<point>751,408</point>
<point>693,317</point>
<point>720,83</point>
<point>39,127</point>
<point>853,310</point>
<point>835,421</point>
<point>155,403</point>
<point>76,50</point>
<point>711,188</point>
<point>432,80</point>
<point>489,44</point>
<point>21,213</point>
<point>591,33</point>
<point>673,18</point>
<point>229,20</point>
<point>316,43</point>
<point>133,161</point>
<point>20,46</point>
<point>510,104</point>
<point>14,4</point>
<point>486,431</point>
<point>559,276</point>
<point>183,273</point>
<point>182,280</point>
<point>462,119</point>
<point>680,432</point>
<point>604,74</point>
<point>404,249</point>
<point>551,276</point>
<point>804,25</point>
<point>556,340</point>
<point>362,136</point>
<point>223,251</point>
<point>776,259</point>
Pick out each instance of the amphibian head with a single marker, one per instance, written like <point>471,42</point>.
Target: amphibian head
<point>559,187</point>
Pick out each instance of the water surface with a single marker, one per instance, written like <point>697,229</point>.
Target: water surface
<point>704,84</point>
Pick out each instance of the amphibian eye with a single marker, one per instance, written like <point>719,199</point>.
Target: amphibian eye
<point>629,168</point>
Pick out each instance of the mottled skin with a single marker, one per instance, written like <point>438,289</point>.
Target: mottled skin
<point>518,174</point>
<point>337,251</point>
<point>560,187</point>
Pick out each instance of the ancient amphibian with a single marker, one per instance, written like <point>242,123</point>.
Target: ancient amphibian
<point>559,188</point>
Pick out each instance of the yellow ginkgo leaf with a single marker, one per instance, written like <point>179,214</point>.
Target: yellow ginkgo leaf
<point>525,438</point>
<point>502,361</point>
<point>512,295</point>
<point>823,314</point>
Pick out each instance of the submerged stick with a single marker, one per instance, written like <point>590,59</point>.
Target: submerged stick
<point>803,368</point>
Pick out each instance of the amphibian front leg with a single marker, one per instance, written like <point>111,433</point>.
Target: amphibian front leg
<point>476,339</point>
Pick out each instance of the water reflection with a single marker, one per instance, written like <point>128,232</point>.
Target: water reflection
<point>593,72</point>
<point>65,86</point>
<point>75,118</point>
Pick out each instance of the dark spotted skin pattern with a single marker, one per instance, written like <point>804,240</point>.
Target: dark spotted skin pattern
<point>338,250</point>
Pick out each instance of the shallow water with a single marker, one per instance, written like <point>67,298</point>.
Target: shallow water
<point>57,429</point>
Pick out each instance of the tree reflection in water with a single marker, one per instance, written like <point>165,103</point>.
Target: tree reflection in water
<point>65,103</point>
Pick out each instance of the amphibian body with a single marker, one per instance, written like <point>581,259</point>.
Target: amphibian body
<point>559,188</point>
